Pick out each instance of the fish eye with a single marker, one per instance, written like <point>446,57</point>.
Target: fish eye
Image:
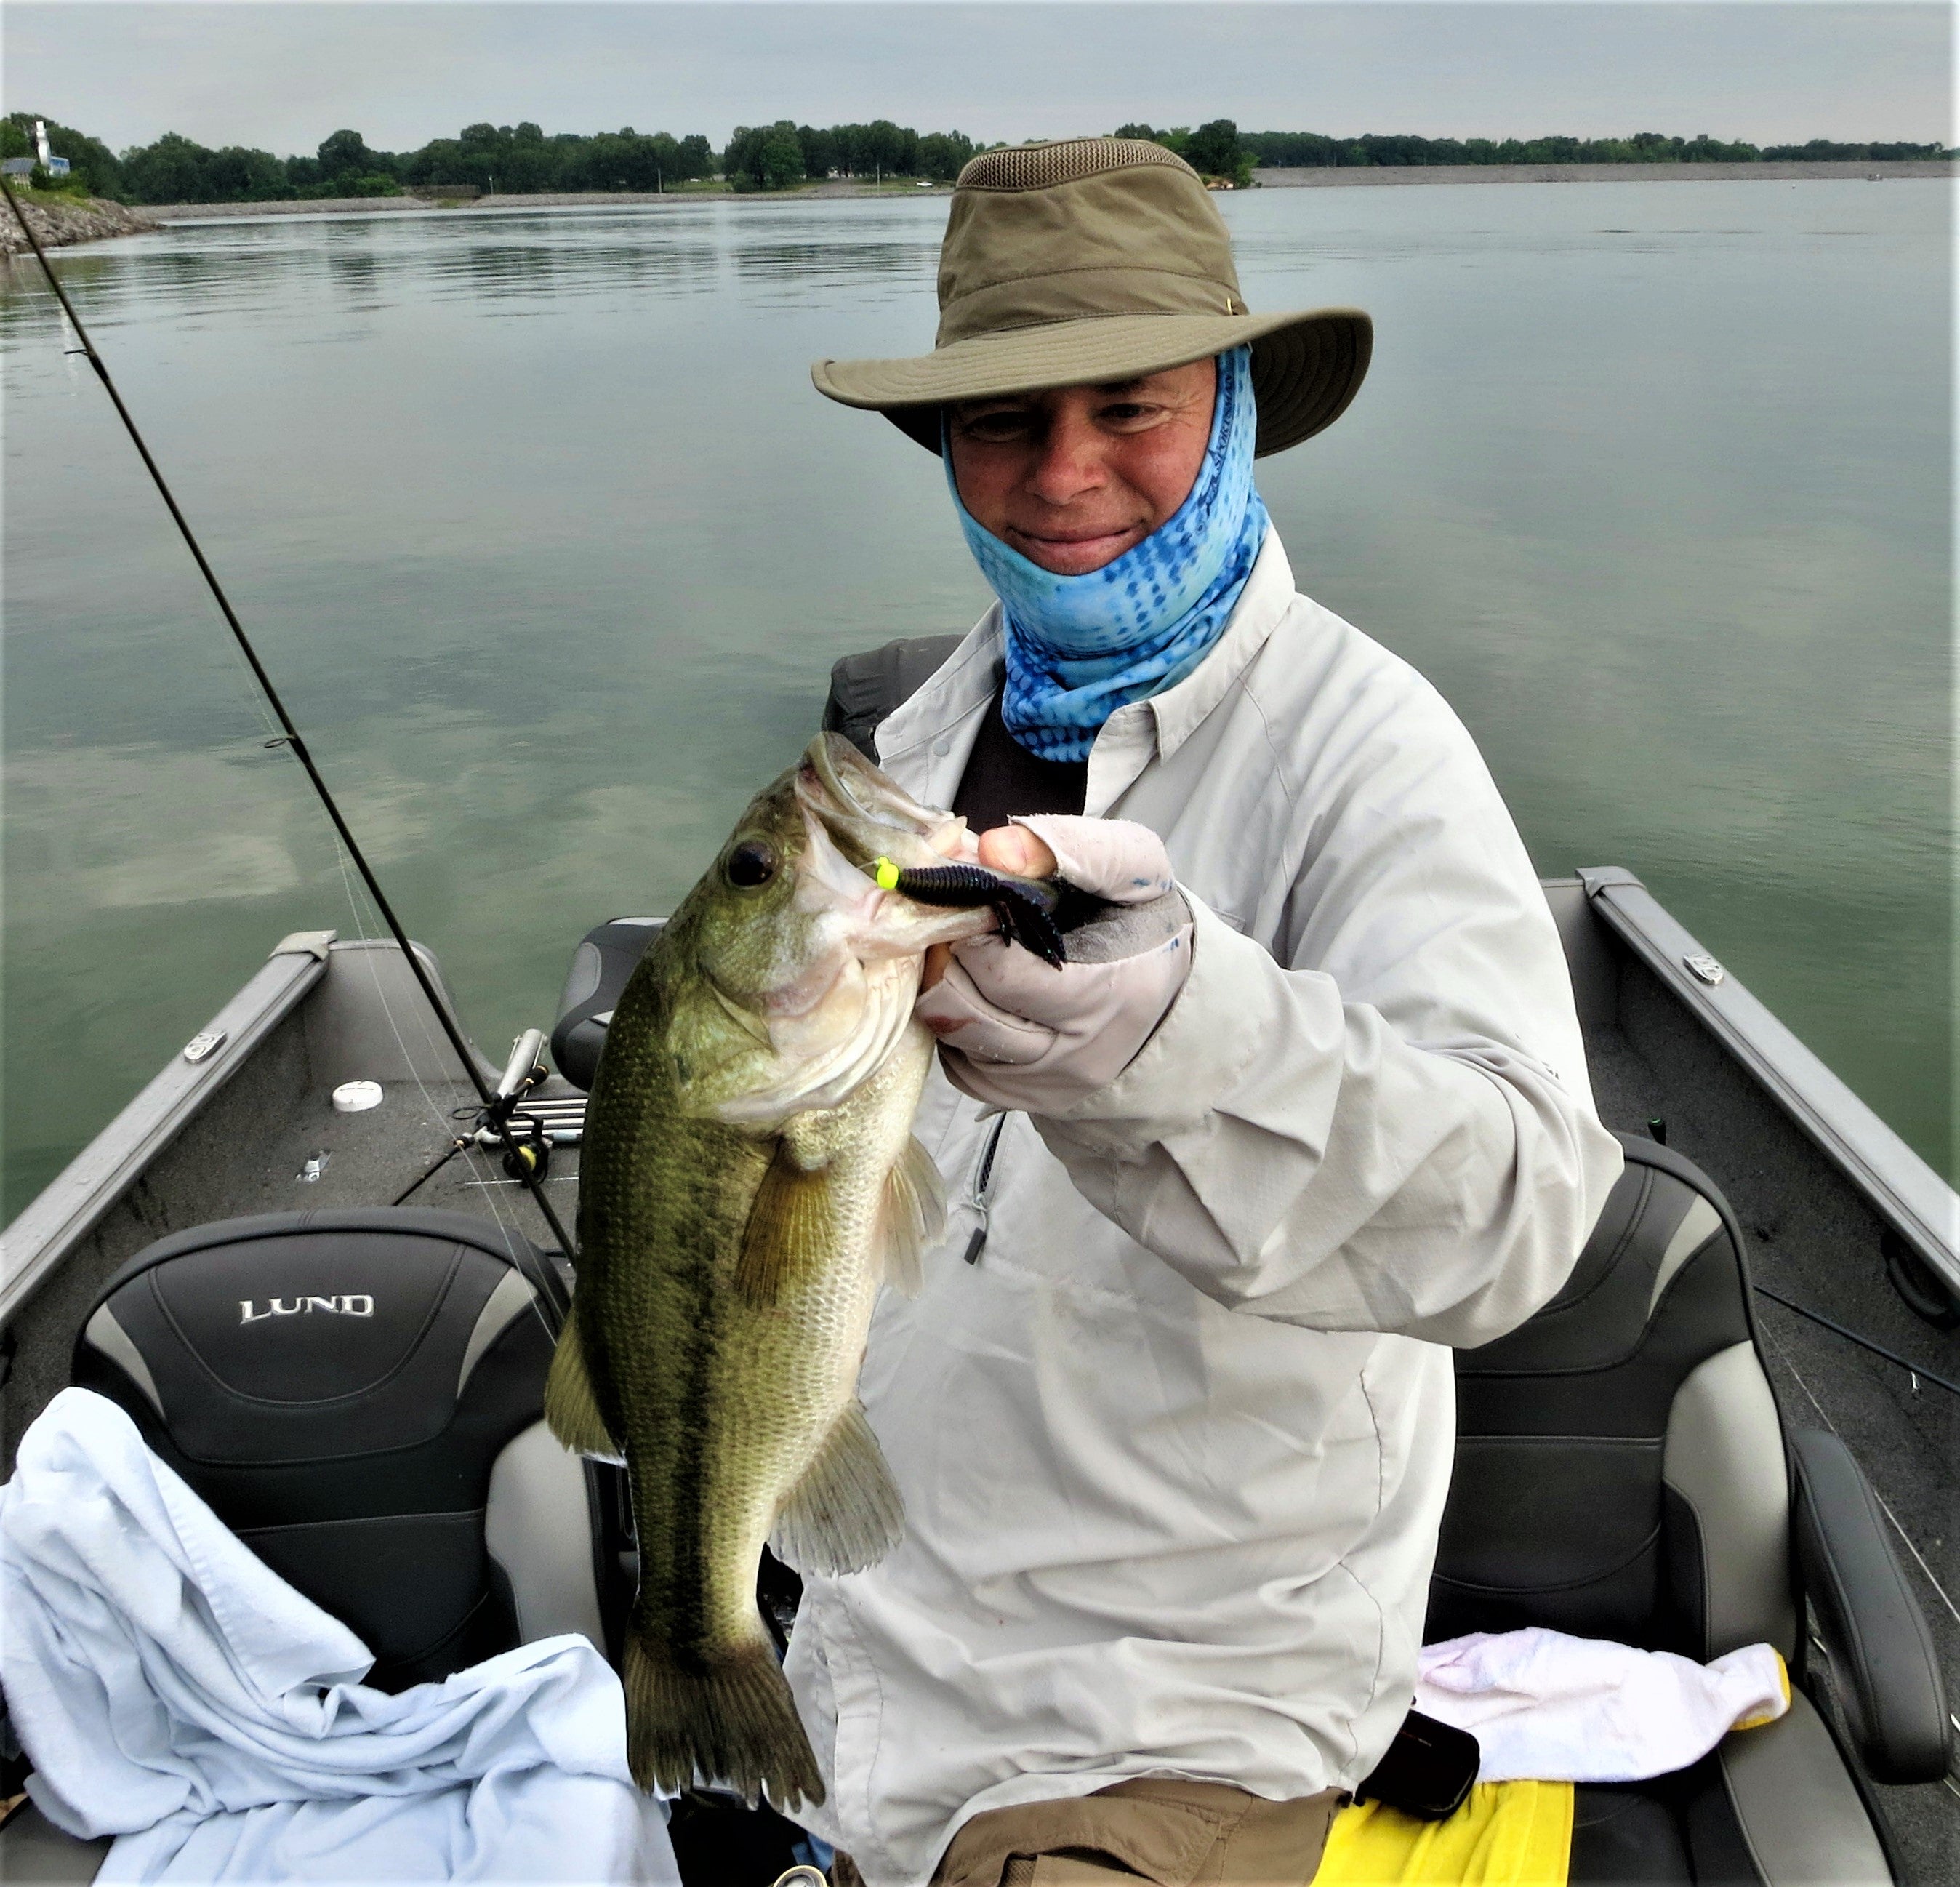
<point>752,862</point>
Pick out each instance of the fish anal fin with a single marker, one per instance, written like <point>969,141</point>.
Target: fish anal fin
<point>911,1217</point>
<point>789,1227</point>
<point>845,1514</point>
<point>571,1410</point>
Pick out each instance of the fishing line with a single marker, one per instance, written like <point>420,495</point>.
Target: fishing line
<point>438,1115</point>
<point>1932,1579</point>
<point>549,1307</point>
<point>289,736</point>
<point>68,353</point>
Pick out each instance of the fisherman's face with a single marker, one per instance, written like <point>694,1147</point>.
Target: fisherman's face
<point>1072,478</point>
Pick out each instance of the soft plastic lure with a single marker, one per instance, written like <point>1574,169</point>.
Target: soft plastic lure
<point>1026,907</point>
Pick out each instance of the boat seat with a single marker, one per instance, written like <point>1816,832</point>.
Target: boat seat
<point>1622,1472</point>
<point>607,954</point>
<point>358,1395</point>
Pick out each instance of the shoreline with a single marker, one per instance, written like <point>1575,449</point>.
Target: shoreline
<point>60,224</point>
<point>828,191</point>
<point>1329,177</point>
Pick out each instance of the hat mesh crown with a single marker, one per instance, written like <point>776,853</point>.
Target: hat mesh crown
<point>1037,167</point>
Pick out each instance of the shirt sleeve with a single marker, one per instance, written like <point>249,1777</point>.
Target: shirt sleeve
<point>1385,1122</point>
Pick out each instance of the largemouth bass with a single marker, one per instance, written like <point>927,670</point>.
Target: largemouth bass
<point>749,1179</point>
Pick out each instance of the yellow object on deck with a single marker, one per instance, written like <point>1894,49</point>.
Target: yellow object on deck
<point>1506,1834</point>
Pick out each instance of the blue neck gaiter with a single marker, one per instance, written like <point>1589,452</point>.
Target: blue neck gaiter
<point>1079,648</point>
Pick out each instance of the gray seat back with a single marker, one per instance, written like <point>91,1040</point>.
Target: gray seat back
<point>1620,1466</point>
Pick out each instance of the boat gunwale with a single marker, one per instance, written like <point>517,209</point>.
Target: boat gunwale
<point>83,1193</point>
<point>1904,1191</point>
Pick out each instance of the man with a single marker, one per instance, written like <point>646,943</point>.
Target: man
<point>1174,1445</point>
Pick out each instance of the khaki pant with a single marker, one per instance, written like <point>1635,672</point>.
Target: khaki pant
<point>1172,1834</point>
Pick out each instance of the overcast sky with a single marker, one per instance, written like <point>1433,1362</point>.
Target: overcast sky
<point>282,76</point>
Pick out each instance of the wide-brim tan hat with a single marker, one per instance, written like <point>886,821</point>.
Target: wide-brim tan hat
<point>1097,259</point>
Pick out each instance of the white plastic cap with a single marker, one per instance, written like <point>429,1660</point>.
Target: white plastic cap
<point>357,1096</point>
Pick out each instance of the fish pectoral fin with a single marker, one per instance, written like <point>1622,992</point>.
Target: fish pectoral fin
<point>791,1226</point>
<point>912,1217</point>
<point>571,1410</point>
<point>845,1514</point>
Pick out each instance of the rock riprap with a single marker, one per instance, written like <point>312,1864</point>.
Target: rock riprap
<point>83,219</point>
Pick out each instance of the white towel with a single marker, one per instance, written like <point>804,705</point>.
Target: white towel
<point>1554,1709</point>
<point>174,1691</point>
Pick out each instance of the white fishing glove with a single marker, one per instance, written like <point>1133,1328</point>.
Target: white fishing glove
<point>1016,1033</point>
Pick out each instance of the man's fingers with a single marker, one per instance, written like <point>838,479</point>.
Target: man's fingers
<point>1017,851</point>
<point>937,956</point>
<point>1114,859</point>
<point>1022,1035</point>
<point>1016,980</point>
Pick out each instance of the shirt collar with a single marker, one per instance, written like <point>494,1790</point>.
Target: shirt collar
<point>925,742</point>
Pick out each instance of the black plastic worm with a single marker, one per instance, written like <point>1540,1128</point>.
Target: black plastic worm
<point>1026,907</point>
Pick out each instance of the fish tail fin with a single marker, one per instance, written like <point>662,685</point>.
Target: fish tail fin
<point>571,1410</point>
<point>734,1723</point>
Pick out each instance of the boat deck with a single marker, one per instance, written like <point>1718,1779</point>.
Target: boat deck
<point>244,1143</point>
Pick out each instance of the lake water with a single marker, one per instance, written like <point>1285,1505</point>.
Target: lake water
<point>540,526</point>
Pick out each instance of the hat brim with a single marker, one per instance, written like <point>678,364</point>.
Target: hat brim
<point>1306,368</point>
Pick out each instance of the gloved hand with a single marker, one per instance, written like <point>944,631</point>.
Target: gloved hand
<point>1016,1033</point>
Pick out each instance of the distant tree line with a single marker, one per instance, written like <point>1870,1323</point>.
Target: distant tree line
<point>1302,149</point>
<point>522,159</point>
<point>775,156</point>
<point>514,160</point>
<point>1219,149</point>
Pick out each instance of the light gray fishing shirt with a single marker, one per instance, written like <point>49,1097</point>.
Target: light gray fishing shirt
<point>1174,1450</point>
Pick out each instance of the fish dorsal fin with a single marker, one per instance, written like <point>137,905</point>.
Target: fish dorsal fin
<point>845,1514</point>
<point>912,1217</point>
<point>571,1410</point>
<point>790,1224</point>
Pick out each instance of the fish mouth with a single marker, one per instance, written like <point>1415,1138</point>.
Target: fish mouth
<point>854,817</point>
<point>872,822</point>
<point>866,814</point>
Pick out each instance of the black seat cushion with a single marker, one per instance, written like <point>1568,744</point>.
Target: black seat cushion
<point>337,1385</point>
<point>1557,1515</point>
<point>1624,1835</point>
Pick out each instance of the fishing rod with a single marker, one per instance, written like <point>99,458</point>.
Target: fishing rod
<point>1917,1371</point>
<point>498,1104</point>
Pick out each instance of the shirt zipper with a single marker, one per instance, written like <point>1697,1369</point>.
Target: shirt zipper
<point>983,1190</point>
